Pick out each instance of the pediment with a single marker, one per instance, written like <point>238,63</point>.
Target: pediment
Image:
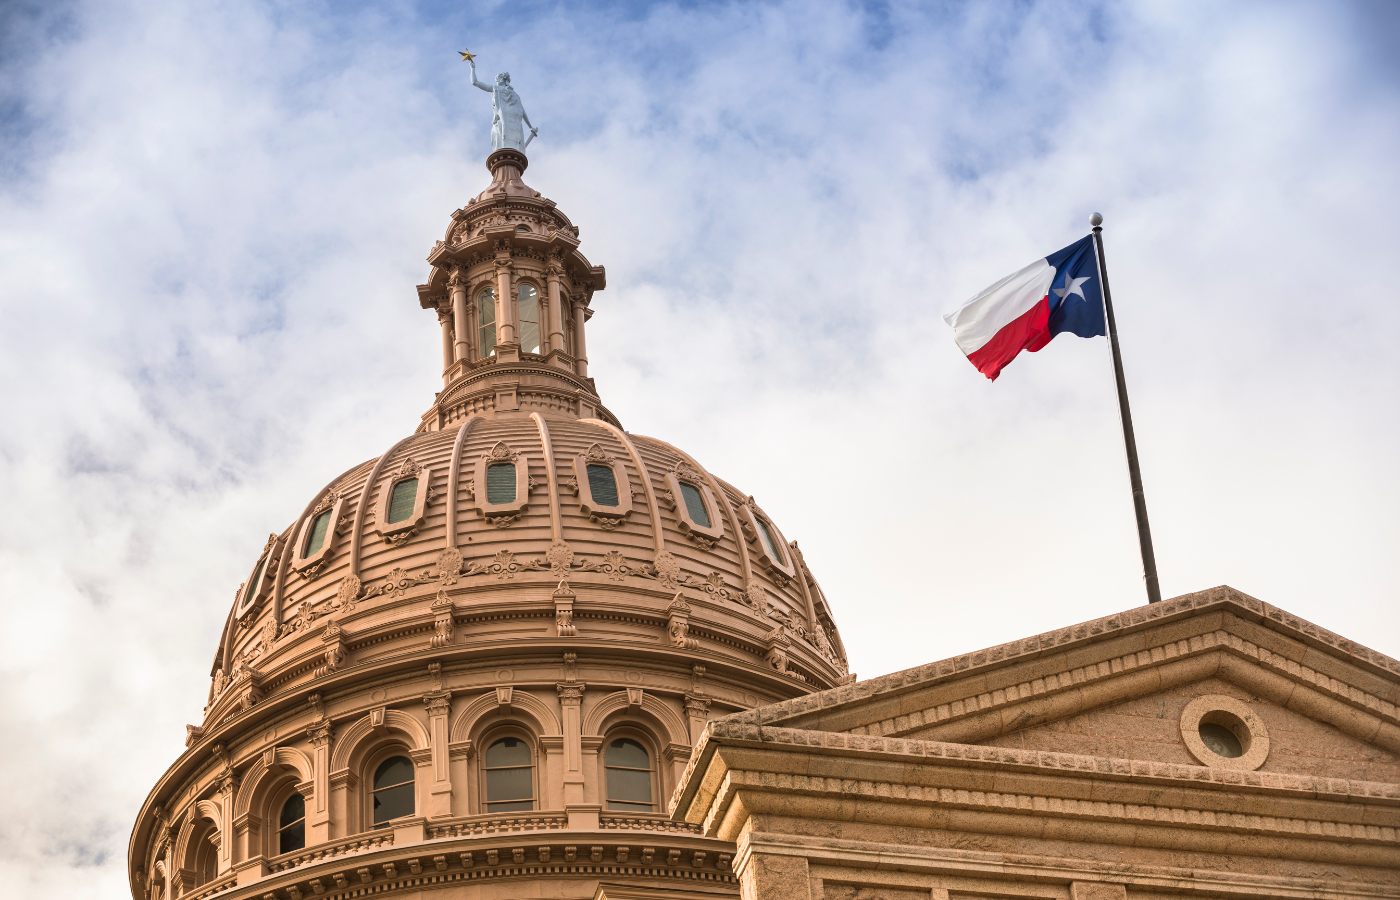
<point>1093,686</point>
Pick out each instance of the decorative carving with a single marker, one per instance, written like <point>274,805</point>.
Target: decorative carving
<point>438,703</point>
<point>318,709</point>
<point>435,675</point>
<point>503,521</point>
<point>504,695</point>
<point>319,733</point>
<point>697,680</point>
<point>443,623</point>
<point>667,568</point>
<point>596,454</point>
<point>192,735</point>
<point>697,707</point>
<point>700,541</point>
<point>570,484</point>
<point>607,522</point>
<point>570,694</point>
<point>778,643</point>
<point>502,453</point>
<point>570,667</point>
<point>560,557</point>
<point>564,610</point>
<point>407,468</point>
<point>331,498</point>
<point>333,637</point>
<point>666,497</point>
<point>678,624</point>
<point>686,472</point>
<point>449,565</point>
<point>756,597</point>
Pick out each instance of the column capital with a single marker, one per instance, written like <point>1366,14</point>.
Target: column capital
<point>570,692</point>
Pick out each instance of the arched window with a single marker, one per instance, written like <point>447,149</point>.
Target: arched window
<point>603,484</point>
<point>510,776</point>
<point>486,321</point>
<point>393,790</point>
<point>291,824</point>
<point>529,314</point>
<point>403,499</point>
<point>695,504</point>
<point>206,859</point>
<point>500,483</point>
<point>316,534</point>
<point>628,767</point>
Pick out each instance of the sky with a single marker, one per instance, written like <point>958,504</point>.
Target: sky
<point>213,217</point>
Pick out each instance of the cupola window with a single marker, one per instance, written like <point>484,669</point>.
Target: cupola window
<point>603,485</point>
<point>500,483</point>
<point>768,539</point>
<point>403,500</point>
<point>510,776</point>
<point>695,504</point>
<point>628,767</point>
<point>291,824</point>
<point>486,321</point>
<point>393,790</point>
<point>316,534</point>
<point>529,307</point>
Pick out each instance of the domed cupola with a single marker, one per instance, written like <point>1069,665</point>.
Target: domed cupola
<point>485,655</point>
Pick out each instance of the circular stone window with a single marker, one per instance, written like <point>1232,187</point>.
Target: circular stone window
<point>1224,733</point>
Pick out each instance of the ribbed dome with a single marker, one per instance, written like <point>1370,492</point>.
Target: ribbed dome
<point>366,589</point>
<point>507,631</point>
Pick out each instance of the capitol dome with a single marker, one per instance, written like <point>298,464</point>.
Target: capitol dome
<point>485,655</point>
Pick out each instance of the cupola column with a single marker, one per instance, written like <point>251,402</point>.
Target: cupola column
<point>556,318</point>
<point>580,349</point>
<point>448,351</point>
<point>505,304</point>
<point>459,311</point>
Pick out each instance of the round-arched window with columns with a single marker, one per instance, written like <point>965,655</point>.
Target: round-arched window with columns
<point>508,772</point>
<point>631,780</point>
<point>392,788</point>
<point>528,314</point>
<point>486,323</point>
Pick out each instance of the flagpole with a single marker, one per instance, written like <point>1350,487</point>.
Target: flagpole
<point>1149,559</point>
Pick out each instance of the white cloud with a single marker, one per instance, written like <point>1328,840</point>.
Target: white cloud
<point>212,219</point>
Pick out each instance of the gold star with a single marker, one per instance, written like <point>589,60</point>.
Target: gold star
<point>467,56</point>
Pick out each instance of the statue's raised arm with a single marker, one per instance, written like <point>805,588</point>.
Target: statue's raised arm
<point>509,119</point>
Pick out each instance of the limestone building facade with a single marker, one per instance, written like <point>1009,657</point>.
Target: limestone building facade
<point>479,662</point>
<point>526,653</point>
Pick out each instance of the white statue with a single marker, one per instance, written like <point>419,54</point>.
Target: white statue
<point>507,113</point>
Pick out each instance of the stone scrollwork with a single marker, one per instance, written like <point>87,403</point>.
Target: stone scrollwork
<point>443,622</point>
<point>560,557</point>
<point>449,565</point>
<point>333,637</point>
<point>348,593</point>
<point>678,624</point>
<point>564,610</point>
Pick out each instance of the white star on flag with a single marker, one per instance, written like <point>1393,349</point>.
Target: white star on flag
<point>1071,287</point>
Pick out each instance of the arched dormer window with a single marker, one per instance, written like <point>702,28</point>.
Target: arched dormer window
<point>392,791</point>
<point>528,313</point>
<point>486,322</point>
<point>697,513</point>
<point>403,500</point>
<point>315,540</point>
<point>257,586</point>
<point>509,768</point>
<point>604,491</point>
<point>501,482</point>
<point>629,774</point>
<point>291,824</point>
<point>773,548</point>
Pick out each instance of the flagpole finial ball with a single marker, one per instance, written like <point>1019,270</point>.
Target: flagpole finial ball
<point>1095,219</point>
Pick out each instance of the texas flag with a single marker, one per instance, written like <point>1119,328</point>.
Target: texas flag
<point>1023,311</point>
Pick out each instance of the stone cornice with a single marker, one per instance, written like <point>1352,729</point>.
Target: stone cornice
<point>1062,640</point>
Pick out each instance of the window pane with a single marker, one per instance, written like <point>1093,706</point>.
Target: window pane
<point>512,806</point>
<point>500,483</point>
<point>629,807</point>
<point>486,321</point>
<point>293,810</point>
<point>509,784</point>
<point>529,319</point>
<point>316,539</point>
<point>603,484</point>
<point>624,752</point>
<point>252,590</point>
<point>768,540</point>
<point>391,803</point>
<point>508,752</point>
<point>402,500</point>
<point>292,838</point>
<point>393,771</point>
<point>629,785</point>
<point>695,505</point>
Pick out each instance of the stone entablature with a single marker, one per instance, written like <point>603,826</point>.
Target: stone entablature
<point>978,775</point>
